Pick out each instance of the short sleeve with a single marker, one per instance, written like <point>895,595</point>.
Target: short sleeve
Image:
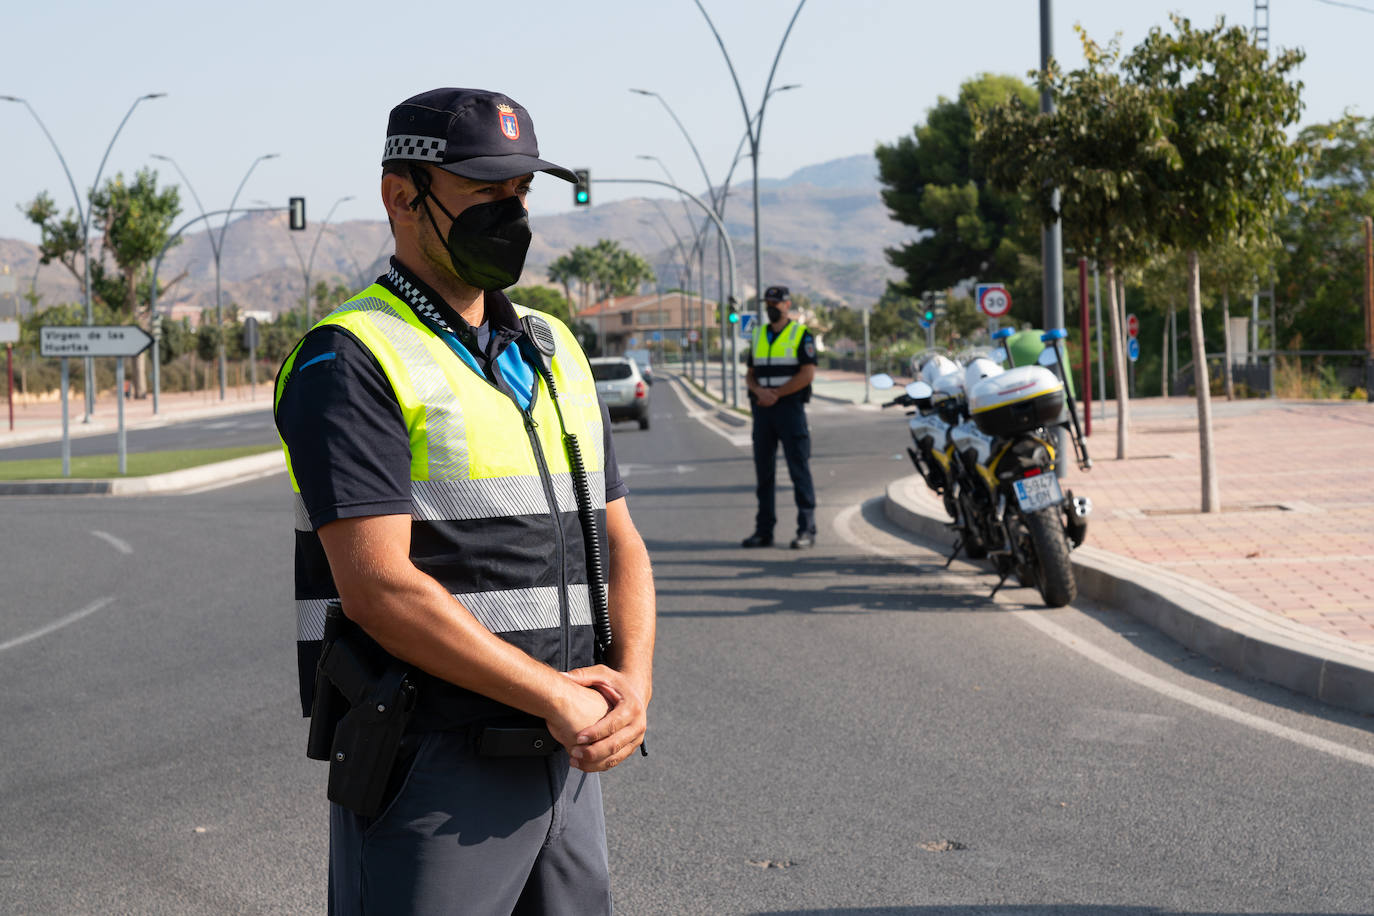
<point>615,484</point>
<point>342,425</point>
<point>806,351</point>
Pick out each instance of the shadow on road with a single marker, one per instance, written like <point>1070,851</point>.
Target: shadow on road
<point>1027,910</point>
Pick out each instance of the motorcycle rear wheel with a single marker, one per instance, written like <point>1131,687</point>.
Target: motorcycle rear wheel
<point>1054,572</point>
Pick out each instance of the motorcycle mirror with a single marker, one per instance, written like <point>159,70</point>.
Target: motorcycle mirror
<point>999,355</point>
<point>1048,356</point>
<point>882,381</point>
<point>919,390</point>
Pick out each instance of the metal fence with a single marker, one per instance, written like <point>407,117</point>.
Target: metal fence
<point>1348,369</point>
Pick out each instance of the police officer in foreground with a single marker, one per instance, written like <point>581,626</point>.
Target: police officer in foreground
<point>491,649</point>
<point>782,364</point>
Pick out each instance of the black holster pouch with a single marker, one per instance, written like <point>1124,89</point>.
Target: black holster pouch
<point>378,694</point>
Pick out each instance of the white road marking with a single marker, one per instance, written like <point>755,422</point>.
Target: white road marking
<point>1122,668</point>
<point>58,624</point>
<point>627,470</point>
<point>121,545</point>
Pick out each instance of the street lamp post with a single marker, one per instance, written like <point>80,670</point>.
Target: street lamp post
<point>754,129</point>
<point>684,276</point>
<point>219,304</point>
<point>718,198</point>
<point>85,217</point>
<point>307,264</point>
<point>152,293</point>
<point>699,249</point>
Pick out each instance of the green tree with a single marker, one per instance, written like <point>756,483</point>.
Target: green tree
<point>1098,148</point>
<point>936,181</point>
<point>1224,105</point>
<point>134,220</point>
<point>605,269</point>
<point>543,299</point>
<point>1320,284</point>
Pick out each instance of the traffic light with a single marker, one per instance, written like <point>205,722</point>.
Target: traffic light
<point>297,213</point>
<point>582,191</point>
<point>929,315</point>
<point>734,314</point>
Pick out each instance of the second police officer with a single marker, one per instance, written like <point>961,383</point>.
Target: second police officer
<point>782,364</point>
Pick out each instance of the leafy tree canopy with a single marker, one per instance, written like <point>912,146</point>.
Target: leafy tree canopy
<point>935,181</point>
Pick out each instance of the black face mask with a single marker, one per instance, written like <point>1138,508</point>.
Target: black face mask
<point>774,313</point>
<point>487,243</point>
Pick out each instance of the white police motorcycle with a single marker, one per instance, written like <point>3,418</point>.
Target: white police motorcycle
<point>994,468</point>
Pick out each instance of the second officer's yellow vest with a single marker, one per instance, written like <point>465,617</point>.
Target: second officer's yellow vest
<point>775,362</point>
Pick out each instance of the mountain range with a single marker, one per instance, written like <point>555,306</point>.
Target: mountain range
<point>824,230</point>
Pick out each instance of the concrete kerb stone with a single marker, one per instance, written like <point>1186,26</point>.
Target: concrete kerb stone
<point>221,472</point>
<point>1245,638</point>
<point>708,402</point>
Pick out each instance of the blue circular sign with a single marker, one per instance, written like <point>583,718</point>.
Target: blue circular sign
<point>1134,350</point>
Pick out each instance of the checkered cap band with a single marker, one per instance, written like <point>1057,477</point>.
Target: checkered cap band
<point>410,146</point>
<point>417,299</point>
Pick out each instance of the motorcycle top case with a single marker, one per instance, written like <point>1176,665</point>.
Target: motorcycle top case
<point>1017,401</point>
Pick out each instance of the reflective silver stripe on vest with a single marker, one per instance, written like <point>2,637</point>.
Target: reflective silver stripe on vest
<point>310,619</point>
<point>500,612</point>
<point>464,500</point>
<point>528,608</point>
<point>443,420</point>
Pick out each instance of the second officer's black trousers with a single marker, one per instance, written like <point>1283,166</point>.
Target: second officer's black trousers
<point>784,423</point>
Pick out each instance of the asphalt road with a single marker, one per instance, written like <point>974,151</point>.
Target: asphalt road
<point>848,730</point>
<point>227,431</point>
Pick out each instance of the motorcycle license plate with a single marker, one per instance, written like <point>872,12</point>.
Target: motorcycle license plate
<point>1037,492</point>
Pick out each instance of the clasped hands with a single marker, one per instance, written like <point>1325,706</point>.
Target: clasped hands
<point>613,718</point>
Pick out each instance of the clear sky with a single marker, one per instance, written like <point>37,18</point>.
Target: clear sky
<point>314,82</point>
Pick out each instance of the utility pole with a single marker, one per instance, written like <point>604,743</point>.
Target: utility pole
<point>1369,308</point>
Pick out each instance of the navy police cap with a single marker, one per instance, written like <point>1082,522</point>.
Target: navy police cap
<point>776,294</point>
<point>485,136</point>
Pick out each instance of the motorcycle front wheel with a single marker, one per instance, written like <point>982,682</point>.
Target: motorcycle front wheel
<point>1054,574</point>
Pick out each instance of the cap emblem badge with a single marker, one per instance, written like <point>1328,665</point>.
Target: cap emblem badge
<point>509,125</point>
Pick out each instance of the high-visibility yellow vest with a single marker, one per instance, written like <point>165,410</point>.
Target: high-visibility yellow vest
<point>775,362</point>
<point>494,514</point>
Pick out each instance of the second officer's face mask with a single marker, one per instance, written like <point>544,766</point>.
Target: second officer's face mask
<point>774,313</point>
<point>487,242</point>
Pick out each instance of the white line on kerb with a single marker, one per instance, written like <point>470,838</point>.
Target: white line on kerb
<point>57,624</point>
<point>1124,669</point>
<point>121,545</point>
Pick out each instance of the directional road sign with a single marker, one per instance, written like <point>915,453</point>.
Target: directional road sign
<point>97,340</point>
<point>1134,349</point>
<point>1132,326</point>
<point>655,336</point>
<point>993,299</point>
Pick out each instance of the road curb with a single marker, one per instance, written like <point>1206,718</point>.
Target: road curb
<point>707,402</point>
<point>221,472</point>
<point>1245,638</point>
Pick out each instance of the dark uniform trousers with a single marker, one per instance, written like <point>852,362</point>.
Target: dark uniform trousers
<point>785,423</point>
<point>472,834</point>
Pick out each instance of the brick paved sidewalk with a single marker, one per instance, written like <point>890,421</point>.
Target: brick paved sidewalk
<point>1296,532</point>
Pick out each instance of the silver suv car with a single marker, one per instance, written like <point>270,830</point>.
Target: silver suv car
<point>622,388</point>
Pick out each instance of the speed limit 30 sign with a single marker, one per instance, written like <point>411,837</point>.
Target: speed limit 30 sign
<point>993,299</point>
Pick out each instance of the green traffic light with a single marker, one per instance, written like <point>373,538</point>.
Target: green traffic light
<point>581,196</point>
<point>930,316</point>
